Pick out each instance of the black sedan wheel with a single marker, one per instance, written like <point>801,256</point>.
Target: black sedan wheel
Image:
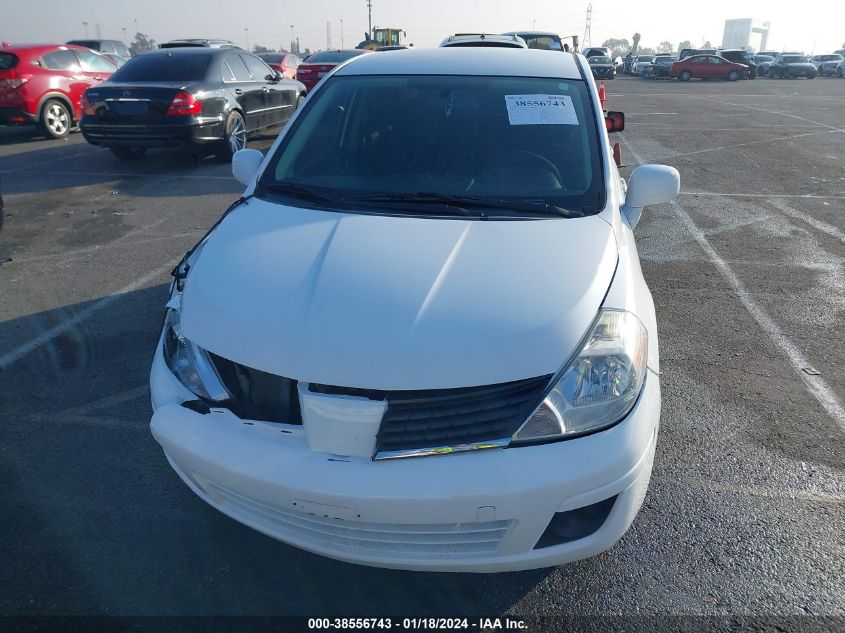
<point>235,137</point>
<point>685,76</point>
<point>733,75</point>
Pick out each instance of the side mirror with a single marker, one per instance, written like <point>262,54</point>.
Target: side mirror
<point>274,78</point>
<point>614,121</point>
<point>245,164</point>
<point>649,184</point>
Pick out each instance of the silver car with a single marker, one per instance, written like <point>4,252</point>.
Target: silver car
<point>641,63</point>
<point>827,64</point>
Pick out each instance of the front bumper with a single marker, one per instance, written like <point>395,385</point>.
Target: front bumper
<point>482,511</point>
<point>178,134</point>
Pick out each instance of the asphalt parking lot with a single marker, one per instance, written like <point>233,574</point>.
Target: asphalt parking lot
<point>746,509</point>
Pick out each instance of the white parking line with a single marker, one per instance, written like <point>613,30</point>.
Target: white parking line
<point>808,196</point>
<point>109,401</point>
<point>723,147</point>
<point>786,114</point>
<point>744,128</point>
<point>809,219</point>
<point>48,162</point>
<point>48,335</point>
<point>135,174</point>
<point>71,255</point>
<point>815,384</point>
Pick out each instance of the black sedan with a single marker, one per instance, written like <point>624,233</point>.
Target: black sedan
<point>197,98</point>
<point>602,67</point>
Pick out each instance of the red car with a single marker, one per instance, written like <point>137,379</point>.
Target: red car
<point>283,63</point>
<point>313,69</point>
<point>708,67</point>
<point>43,85</point>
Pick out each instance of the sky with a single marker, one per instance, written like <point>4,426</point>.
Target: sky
<point>816,27</point>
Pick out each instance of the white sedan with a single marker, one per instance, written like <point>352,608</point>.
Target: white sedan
<point>422,338</point>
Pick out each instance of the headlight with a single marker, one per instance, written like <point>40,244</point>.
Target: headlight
<point>599,385</point>
<point>189,362</point>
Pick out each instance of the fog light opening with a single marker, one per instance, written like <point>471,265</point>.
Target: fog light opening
<point>572,525</point>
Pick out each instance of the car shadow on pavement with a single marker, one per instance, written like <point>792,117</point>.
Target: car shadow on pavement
<point>58,165</point>
<point>97,522</point>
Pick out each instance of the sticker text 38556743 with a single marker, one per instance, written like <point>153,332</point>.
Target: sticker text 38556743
<point>540,110</point>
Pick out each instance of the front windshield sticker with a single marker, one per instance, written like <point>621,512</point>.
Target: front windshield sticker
<point>540,110</point>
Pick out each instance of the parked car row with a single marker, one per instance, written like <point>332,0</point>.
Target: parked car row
<point>733,64</point>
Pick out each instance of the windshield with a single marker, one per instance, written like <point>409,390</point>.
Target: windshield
<point>645,58</point>
<point>271,58</point>
<point>831,58</point>
<point>332,57</point>
<point>165,68</point>
<point>485,138</point>
<point>600,60</point>
<point>763,58</point>
<point>794,59</point>
<point>543,42</point>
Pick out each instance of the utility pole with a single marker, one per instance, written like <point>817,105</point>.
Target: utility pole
<point>136,27</point>
<point>123,28</point>
<point>328,35</point>
<point>85,24</point>
<point>586,41</point>
<point>370,18</point>
<point>292,40</point>
<point>97,29</point>
<point>246,32</point>
<point>341,33</point>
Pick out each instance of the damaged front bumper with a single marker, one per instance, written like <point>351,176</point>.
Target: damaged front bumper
<point>481,511</point>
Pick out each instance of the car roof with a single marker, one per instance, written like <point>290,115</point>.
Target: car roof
<point>533,33</point>
<point>513,41</point>
<point>488,61</point>
<point>192,50</point>
<point>94,40</point>
<point>34,49</point>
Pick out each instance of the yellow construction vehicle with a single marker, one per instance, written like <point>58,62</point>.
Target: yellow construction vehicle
<point>382,38</point>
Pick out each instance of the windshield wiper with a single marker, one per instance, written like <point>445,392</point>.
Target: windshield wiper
<point>537,207</point>
<point>296,190</point>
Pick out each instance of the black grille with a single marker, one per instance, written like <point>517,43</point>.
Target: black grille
<point>446,417</point>
<point>258,395</point>
<point>415,419</point>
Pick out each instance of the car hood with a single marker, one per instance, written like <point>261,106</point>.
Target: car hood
<point>386,302</point>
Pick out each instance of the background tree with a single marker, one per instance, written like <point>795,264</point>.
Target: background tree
<point>646,50</point>
<point>635,43</point>
<point>141,44</point>
<point>684,44</point>
<point>707,44</point>
<point>258,49</point>
<point>618,47</point>
<point>665,47</point>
